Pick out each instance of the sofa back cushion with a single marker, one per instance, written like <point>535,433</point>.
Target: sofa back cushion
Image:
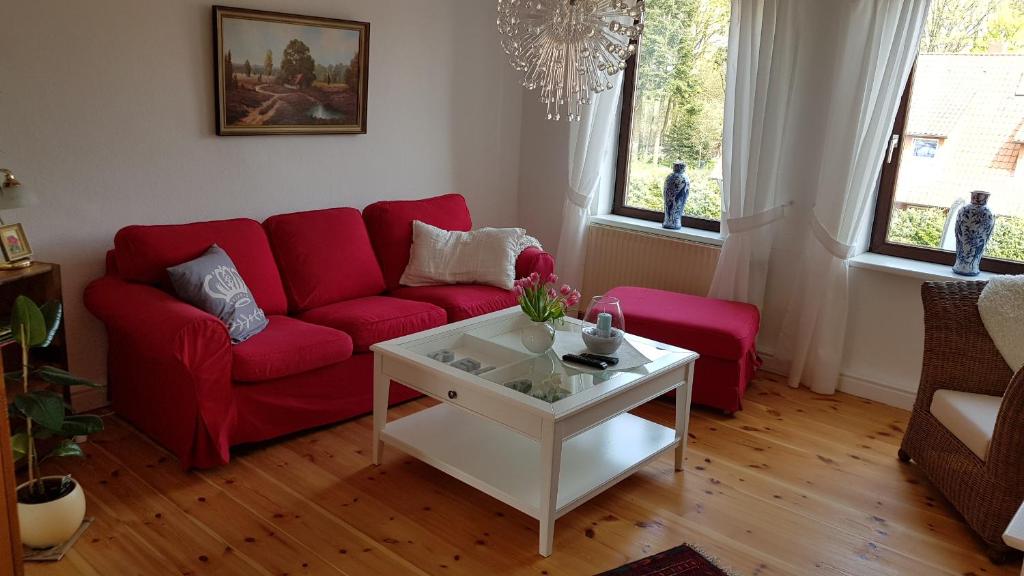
<point>143,254</point>
<point>324,257</point>
<point>390,227</point>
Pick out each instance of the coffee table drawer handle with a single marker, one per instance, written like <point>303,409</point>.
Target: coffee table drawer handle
<point>452,394</point>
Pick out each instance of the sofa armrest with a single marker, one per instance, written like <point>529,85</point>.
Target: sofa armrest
<point>532,260</point>
<point>959,354</point>
<point>154,318</point>
<point>1007,441</point>
<point>169,368</point>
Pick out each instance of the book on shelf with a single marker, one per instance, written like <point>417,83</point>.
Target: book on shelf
<point>6,335</point>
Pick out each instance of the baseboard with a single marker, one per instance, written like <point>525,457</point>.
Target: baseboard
<point>853,385</point>
<point>877,391</point>
<point>770,363</point>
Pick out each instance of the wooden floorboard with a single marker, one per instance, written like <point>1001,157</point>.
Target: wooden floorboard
<point>795,484</point>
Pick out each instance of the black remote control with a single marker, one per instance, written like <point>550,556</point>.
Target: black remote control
<point>609,360</point>
<point>577,359</point>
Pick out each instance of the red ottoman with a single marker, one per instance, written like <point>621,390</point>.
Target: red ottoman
<point>724,333</point>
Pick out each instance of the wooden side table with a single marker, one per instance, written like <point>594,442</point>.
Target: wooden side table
<point>10,536</point>
<point>1014,535</point>
<point>41,283</point>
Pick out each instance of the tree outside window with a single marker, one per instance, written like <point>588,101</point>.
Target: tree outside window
<point>676,107</point>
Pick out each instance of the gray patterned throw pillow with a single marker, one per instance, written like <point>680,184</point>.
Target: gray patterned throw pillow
<point>212,283</point>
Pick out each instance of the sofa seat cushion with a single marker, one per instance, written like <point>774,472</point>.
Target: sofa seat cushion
<point>461,301</point>
<point>325,256</point>
<point>390,227</point>
<point>144,253</point>
<point>286,347</point>
<point>377,318</point>
<point>711,327</point>
<point>970,417</point>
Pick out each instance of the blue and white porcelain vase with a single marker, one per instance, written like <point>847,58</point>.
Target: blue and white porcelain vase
<point>974,227</point>
<point>677,190</point>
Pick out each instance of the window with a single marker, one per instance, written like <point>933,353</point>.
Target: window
<point>925,147</point>
<point>673,109</point>
<point>960,127</point>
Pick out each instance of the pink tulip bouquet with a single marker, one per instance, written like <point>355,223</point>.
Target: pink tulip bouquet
<point>541,301</point>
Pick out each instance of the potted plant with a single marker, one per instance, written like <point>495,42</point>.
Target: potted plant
<point>543,303</point>
<point>51,508</point>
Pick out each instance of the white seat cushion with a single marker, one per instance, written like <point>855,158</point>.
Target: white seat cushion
<point>970,417</point>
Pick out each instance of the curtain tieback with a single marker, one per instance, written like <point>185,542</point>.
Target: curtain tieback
<point>825,238</point>
<point>754,221</point>
<point>581,201</point>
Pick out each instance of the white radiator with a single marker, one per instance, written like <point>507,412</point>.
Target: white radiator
<point>620,257</point>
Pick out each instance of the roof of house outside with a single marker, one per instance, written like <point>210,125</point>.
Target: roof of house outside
<point>974,104</point>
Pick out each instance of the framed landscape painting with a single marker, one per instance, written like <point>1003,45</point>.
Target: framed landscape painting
<point>288,74</point>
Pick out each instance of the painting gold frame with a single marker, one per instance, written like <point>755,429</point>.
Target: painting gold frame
<point>226,128</point>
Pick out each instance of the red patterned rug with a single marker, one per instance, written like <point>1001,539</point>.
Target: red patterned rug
<point>679,561</point>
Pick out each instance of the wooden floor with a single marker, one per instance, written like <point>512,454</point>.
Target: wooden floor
<point>795,484</point>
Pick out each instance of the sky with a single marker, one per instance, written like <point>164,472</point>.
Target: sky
<point>250,40</point>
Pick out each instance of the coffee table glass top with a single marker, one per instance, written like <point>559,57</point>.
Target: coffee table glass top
<point>489,351</point>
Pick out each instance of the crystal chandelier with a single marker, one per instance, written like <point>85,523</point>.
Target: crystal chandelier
<point>570,49</point>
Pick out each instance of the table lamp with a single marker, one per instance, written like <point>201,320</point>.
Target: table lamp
<point>14,195</point>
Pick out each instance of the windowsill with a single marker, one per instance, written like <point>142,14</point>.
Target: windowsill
<point>869,260</point>
<point>911,268</point>
<point>638,225</point>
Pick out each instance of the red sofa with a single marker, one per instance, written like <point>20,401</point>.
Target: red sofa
<point>328,282</point>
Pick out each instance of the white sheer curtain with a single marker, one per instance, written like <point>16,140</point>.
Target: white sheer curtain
<point>592,142</point>
<point>812,90</point>
<point>759,82</point>
<point>878,43</point>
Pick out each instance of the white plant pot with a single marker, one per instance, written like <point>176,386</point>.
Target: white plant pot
<point>51,523</point>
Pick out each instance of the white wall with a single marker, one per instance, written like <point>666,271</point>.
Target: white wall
<point>884,337</point>
<point>544,172</point>
<point>106,112</point>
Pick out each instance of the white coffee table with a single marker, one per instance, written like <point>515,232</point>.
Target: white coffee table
<point>544,452</point>
<point>1014,535</point>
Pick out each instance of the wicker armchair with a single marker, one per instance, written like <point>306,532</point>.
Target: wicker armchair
<point>960,355</point>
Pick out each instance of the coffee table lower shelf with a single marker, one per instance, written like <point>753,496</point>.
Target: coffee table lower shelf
<point>507,465</point>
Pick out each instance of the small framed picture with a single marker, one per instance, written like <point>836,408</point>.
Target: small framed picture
<point>14,243</point>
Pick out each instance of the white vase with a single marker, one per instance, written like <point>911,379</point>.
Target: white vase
<point>538,337</point>
<point>50,523</point>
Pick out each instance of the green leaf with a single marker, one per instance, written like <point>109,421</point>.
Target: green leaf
<point>27,315</point>
<point>66,448</point>
<point>53,312</point>
<point>19,443</point>
<point>81,425</point>
<point>43,407</point>
<point>527,307</point>
<point>54,375</point>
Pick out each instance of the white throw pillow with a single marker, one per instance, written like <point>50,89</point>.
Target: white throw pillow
<point>484,256</point>
<point>1001,306</point>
